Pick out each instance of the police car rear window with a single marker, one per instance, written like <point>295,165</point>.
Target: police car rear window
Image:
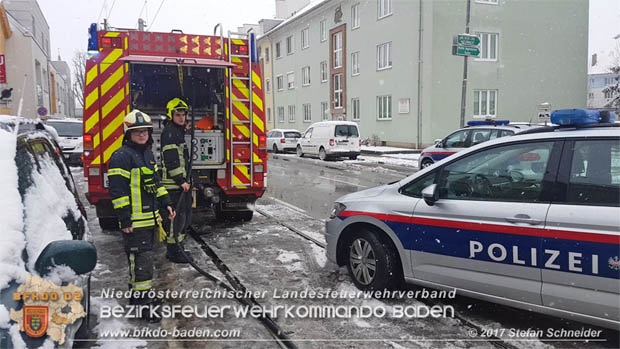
<point>595,173</point>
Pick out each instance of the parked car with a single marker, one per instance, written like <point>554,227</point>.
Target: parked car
<point>45,221</point>
<point>530,221</point>
<point>474,133</point>
<point>70,139</point>
<point>282,140</point>
<point>331,139</point>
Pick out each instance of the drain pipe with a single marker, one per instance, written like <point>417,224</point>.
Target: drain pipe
<point>419,104</point>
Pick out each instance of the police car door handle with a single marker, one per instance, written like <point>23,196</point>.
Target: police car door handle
<point>523,218</point>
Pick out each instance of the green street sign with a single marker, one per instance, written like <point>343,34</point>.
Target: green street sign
<point>466,39</point>
<point>465,50</point>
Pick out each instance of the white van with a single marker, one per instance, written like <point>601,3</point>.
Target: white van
<point>330,139</point>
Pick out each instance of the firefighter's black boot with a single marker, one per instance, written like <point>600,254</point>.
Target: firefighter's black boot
<point>145,304</point>
<point>175,255</point>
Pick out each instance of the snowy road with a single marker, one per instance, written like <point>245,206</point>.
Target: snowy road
<point>270,259</point>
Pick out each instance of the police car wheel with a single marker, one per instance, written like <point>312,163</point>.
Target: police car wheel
<point>426,163</point>
<point>299,152</point>
<point>372,262</point>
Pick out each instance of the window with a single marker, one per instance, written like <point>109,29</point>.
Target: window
<point>346,131</point>
<point>280,114</point>
<point>267,54</point>
<point>305,38</point>
<point>414,188</point>
<point>479,135</point>
<point>609,94</point>
<point>485,103</point>
<point>337,49</point>
<point>269,114</point>
<point>290,42</point>
<point>385,8</point>
<point>355,16</point>
<point>609,81</point>
<point>384,56</point>
<point>355,63</point>
<point>384,107</point>
<point>403,105</point>
<point>291,113</point>
<point>324,71</point>
<point>456,140</point>
<point>488,46</point>
<point>355,104</point>
<point>324,111</point>
<point>267,85</point>
<point>307,113</point>
<point>305,76</point>
<point>323,30</point>
<point>290,80</point>
<point>590,95</point>
<point>338,91</point>
<point>511,173</point>
<point>595,173</point>
<point>278,50</point>
<point>280,82</point>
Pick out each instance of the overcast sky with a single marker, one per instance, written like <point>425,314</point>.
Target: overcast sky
<point>69,19</point>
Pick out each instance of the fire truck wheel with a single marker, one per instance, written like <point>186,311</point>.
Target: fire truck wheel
<point>108,223</point>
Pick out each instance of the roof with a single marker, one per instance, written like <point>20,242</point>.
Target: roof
<point>285,130</point>
<point>314,4</point>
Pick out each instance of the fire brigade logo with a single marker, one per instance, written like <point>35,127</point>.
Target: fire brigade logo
<point>614,263</point>
<point>35,320</point>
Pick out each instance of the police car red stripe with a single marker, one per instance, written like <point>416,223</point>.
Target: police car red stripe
<point>494,228</point>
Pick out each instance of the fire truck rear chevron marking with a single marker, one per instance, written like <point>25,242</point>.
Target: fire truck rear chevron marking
<point>112,80</point>
<point>256,80</point>
<point>91,75</point>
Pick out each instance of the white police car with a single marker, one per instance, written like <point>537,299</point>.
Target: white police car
<point>531,221</point>
<point>474,133</point>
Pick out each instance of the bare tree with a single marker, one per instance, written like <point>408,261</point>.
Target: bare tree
<point>79,71</point>
<point>614,88</point>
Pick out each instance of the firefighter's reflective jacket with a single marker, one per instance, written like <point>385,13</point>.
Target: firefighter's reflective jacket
<point>136,190</point>
<point>175,156</point>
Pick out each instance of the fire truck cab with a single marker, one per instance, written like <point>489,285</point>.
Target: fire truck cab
<point>220,79</point>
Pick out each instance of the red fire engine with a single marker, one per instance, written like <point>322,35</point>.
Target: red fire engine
<point>218,76</point>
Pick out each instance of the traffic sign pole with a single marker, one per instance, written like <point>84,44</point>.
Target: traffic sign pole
<point>464,87</point>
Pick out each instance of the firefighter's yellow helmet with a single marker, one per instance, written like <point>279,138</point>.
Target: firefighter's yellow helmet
<point>137,119</point>
<point>176,104</point>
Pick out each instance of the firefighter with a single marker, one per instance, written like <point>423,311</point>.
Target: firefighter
<point>137,195</point>
<point>175,170</point>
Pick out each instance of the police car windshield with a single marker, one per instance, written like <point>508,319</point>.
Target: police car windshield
<point>346,131</point>
<point>67,129</point>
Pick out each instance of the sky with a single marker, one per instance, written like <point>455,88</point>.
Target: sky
<point>69,19</point>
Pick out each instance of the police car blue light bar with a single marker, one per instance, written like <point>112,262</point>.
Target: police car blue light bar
<point>488,122</point>
<point>580,117</point>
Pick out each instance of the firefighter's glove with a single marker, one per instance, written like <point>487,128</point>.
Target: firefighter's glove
<point>148,180</point>
<point>161,233</point>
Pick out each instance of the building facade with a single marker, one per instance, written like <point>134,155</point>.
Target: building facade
<point>598,94</point>
<point>36,80</point>
<point>388,64</point>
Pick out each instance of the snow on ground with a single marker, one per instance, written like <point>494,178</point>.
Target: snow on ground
<point>380,149</point>
<point>319,255</point>
<point>408,160</point>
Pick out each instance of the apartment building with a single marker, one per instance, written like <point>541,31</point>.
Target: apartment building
<point>388,64</point>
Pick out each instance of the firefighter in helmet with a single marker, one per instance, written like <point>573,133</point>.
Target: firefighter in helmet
<point>138,196</point>
<point>175,170</point>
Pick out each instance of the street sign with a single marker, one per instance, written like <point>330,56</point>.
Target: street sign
<point>467,40</point>
<point>544,112</point>
<point>42,111</point>
<point>465,50</point>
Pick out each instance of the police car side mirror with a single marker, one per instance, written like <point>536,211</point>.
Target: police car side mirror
<point>438,143</point>
<point>430,194</point>
<point>79,255</point>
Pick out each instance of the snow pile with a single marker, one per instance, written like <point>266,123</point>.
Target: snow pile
<point>380,149</point>
<point>44,222</point>
<point>287,257</point>
<point>12,240</point>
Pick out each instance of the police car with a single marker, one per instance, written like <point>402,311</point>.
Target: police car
<point>474,133</point>
<point>531,221</point>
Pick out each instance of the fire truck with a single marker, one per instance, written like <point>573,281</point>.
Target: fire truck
<point>220,78</point>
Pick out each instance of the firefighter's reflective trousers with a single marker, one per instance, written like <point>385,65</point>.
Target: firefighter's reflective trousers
<point>139,249</point>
